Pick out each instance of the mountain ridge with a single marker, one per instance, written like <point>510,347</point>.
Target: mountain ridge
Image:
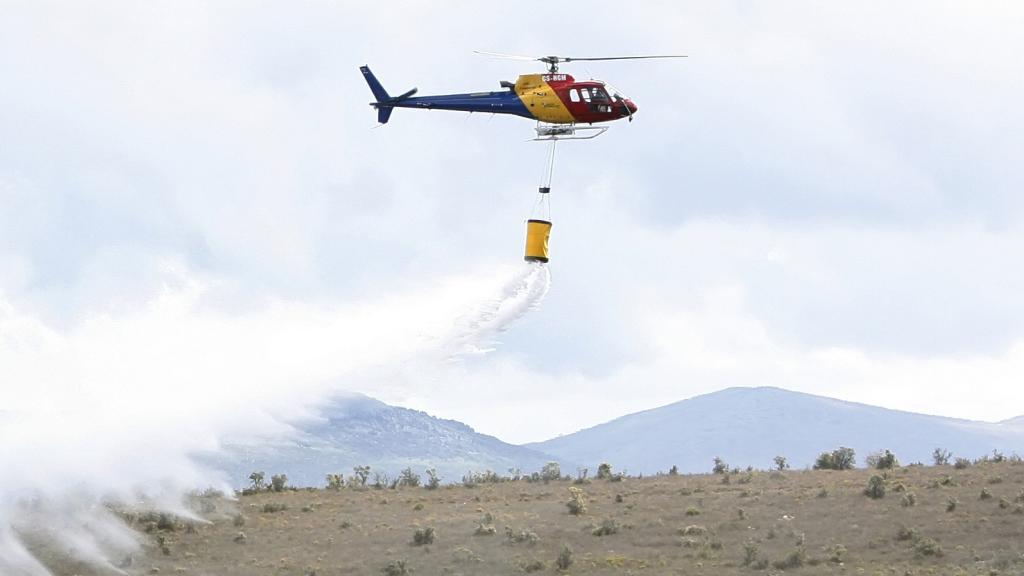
<point>750,425</point>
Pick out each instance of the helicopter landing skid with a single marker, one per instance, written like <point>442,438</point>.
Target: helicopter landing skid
<point>549,132</point>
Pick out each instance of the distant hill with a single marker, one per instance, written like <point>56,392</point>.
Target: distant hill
<point>359,430</point>
<point>1017,422</point>
<point>750,426</point>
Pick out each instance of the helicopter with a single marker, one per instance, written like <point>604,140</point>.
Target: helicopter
<point>557,101</point>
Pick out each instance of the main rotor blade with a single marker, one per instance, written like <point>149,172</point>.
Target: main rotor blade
<point>568,59</point>
<point>507,56</point>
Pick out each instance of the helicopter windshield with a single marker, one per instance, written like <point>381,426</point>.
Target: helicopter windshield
<point>599,94</point>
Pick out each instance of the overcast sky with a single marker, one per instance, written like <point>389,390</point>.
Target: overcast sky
<point>824,197</point>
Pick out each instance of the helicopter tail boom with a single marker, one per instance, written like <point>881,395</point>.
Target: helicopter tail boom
<point>385,103</point>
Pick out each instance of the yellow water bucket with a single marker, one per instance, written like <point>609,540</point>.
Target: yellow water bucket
<point>537,233</point>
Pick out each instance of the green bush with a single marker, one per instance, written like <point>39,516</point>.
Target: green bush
<point>408,478</point>
<point>839,459</point>
<point>882,460</point>
<point>551,471</point>
<point>607,528</point>
<point>941,457</point>
<point>335,481</point>
<point>256,478</point>
<point>720,467</point>
<point>396,568</point>
<point>876,487</point>
<point>961,463</point>
<point>433,480</point>
<point>780,463</point>
<point>278,482</point>
<point>751,551</point>
<point>908,500</point>
<point>423,536</point>
<point>925,546</point>
<point>564,560</point>
<point>360,474</point>
<point>794,559</point>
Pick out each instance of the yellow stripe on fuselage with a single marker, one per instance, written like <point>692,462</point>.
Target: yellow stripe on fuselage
<point>540,99</point>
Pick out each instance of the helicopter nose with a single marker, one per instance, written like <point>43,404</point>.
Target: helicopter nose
<point>631,106</point>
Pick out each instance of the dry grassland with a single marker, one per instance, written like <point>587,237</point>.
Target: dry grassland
<point>810,522</point>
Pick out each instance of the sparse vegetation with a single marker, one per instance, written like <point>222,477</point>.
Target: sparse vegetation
<point>762,523</point>
<point>780,463</point>
<point>941,457</point>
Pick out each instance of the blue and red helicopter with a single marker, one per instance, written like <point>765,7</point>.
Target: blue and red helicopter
<point>558,102</point>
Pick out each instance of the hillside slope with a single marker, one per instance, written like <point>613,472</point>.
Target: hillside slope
<point>750,426</point>
<point>359,430</point>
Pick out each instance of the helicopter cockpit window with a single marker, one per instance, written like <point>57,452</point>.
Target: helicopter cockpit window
<point>574,95</point>
<point>600,95</point>
<point>586,93</point>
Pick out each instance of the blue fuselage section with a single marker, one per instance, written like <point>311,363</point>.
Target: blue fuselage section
<point>503,102</point>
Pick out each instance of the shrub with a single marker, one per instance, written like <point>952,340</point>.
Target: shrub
<point>693,530</point>
<point>985,494</point>
<point>673,471</point>
<point>604,471</point>
<point>839,459</point>
<point>608,527</point>
<point>750,552</point>
<point>396,568</point>
<point>882,461</point>
<point>908,500</point>
<point>335,481</point>
<point>278,482</point>
<point>951,503</point>
<point>924,546</point>
<point>433,480</point>
<point>484,530</point>
<point>564,560</point>
<point>360,474</point>
<point>581,476</point>
<point>521,536</point>
<point>692,511</point>
<point>961,463</point>
<point>256,478</point>
<point>1003,502</point>
<point>720,467</point>
<point>837,554</point>
<point>408,478</point>
<point>551,471</point>
<point>794,559</point>
<point>577,503</point>
<point>423,536</point>
<point>941,457</point>
<point>904,534</point>
<point>876,487</point>
<point>271,507</point>
<point>533,565</point>
<point>780,463</point>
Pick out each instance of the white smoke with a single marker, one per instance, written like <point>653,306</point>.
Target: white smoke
<point>112,409</point>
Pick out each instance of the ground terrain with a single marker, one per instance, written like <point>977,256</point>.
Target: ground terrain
<point>811,522</point>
